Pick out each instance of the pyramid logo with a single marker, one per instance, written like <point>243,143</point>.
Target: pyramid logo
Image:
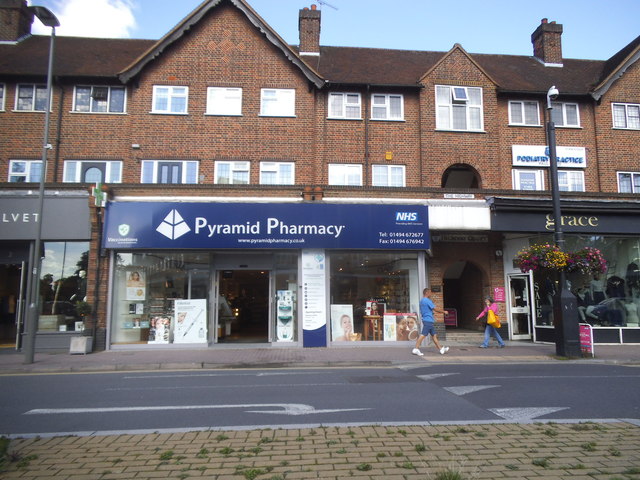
<point>173,226</point>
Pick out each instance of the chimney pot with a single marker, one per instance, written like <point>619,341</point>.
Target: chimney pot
<point>544,20</point>
<point>309,30</point>
<point>314,6</point>
<point>547,42</point>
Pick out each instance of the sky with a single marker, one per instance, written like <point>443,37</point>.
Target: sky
<point>593,29</point>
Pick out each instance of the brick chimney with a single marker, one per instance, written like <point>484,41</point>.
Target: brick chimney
<point>547,42</point>
<point>15,20</point>
<point>309,29</point>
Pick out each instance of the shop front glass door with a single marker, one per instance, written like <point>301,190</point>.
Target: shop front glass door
<point>520,308</point>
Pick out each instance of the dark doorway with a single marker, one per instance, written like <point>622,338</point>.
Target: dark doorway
<point>463,291</point>
<point>247,294</point>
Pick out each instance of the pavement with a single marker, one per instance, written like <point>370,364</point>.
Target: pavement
<point>602,450</point>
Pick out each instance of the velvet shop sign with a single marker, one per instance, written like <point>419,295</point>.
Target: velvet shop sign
<point>265,225</point>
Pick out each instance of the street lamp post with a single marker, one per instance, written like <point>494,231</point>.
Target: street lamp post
<point>48,19</point>
<point>565,311</point>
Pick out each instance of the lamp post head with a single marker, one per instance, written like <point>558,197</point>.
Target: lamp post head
<point>552,94</point>
<point>46,16</point>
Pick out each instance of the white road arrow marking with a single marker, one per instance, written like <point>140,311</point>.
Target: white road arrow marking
<point>434,376</point>
<point>524,414</point>
<point>287,409</point>
<point>468,389</point>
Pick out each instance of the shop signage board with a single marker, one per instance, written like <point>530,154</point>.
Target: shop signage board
<point>586,339</point>
<point>498,294</point>
<point>136,225</point>
<point>538,156</point>
<point>314,299</point>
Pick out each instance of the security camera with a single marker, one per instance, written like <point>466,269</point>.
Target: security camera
<point>553,93</point>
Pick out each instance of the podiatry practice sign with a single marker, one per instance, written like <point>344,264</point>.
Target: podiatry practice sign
<point>135,225</point>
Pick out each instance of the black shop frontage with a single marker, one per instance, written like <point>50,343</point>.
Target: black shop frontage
<point>608,303</point>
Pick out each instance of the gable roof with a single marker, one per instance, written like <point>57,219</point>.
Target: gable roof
<point>122,59</point>
<point>615,67</point>
<point>195,16</point>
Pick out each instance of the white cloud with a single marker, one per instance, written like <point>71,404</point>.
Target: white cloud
<point>91,18</point>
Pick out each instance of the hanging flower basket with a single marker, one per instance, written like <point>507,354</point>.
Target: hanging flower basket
<point>587,260</point>
<point>535,258</point>
<point>541,257</point>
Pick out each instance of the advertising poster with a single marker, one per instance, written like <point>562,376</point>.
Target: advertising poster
<point>159,329</point>
<point>407,327</point>
<point>389,327</point>
<point>190,321</point>
<point>135,285</point>
<point>342,324</point>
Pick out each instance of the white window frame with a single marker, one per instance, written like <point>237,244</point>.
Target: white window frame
<point>285,173</point>
<point>189,171</point>
<point>518,116</point>
<point>566,185</point>
<point>95,103</point>
<point>347,174</point>
<point>234,167</point>
<point>560,115</point>
<point>3,94</point>
<point>382,111</point>
<point>518,174</point>
<point>29,164</point>
<point>224,101</point>
<point>631,116</point>
<point>36,97</point>
<point>343,105</point>
<point>172,93</point>
<point>73,170</point>
<point>449,99</point>
<point>277,102</point>
<point>391,172</point>
<point>633,178</point>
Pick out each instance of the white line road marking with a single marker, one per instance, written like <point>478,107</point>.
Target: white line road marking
<point>435,375</point>
<point>287,409</point>
<point>524,414</point>
<point>469,389</point>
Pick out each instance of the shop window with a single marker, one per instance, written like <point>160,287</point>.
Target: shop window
<point>161,298</point>
<point>460,176</point>
<point>610,299</point>
<point>63,286</point>
<point>374,296</point>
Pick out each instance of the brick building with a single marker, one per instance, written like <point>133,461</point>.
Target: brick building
<point>260,192</point>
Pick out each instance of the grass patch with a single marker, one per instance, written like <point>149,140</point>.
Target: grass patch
<point>364,467</point>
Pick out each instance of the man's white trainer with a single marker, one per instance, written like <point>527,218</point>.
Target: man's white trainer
<point>416,351</point>
<point>444,350</point>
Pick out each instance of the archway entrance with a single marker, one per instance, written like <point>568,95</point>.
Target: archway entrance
<point>463,283</point>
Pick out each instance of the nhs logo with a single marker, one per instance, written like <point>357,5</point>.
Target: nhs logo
<point>406,216</point>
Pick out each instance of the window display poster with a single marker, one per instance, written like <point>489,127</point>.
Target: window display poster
<point>389,327</point>
<point>342,324</point>
<point>159,329</point>
<point>135,285</point>
<point>407,327</point>
<point>190,321</point>
<point>314,310</point>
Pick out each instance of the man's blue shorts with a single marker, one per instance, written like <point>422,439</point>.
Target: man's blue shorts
<point>428,328</point>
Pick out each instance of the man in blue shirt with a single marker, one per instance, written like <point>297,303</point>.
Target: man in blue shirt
<point>427,309</point>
